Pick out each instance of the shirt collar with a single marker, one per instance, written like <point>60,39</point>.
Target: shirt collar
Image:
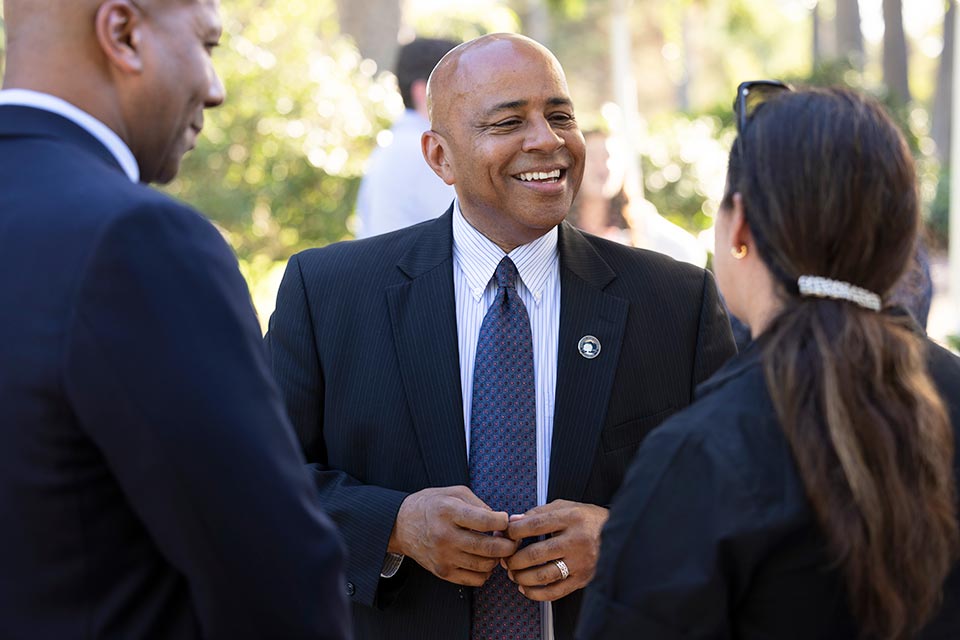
<point>478,257</point>
<point>100,131</point>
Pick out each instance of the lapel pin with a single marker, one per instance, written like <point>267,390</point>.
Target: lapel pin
<point>589,347</point>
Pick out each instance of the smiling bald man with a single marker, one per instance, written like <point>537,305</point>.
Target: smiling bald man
<point>150,482</point>
<point>448,414</point>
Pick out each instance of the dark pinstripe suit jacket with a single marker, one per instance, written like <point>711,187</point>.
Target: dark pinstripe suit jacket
<point>364,346</point>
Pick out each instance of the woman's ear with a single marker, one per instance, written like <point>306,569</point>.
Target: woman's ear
<point>740,235</point>
<point>434,148</point>
<point>119,28</point>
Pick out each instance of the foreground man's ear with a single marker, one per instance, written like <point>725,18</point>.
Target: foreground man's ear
<point>119,28</point>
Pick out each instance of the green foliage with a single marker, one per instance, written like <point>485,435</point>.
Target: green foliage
<point>953,341</point>
<point>279,164</point>
<point>684,157</point>
<point>684,161</point>
<point>938,222</point>
<point>463,22</point>
<point>568,9</point>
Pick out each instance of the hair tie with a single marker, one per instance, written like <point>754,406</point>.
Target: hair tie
<point>826,288</point>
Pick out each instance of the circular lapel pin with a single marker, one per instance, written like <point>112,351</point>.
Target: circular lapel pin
<point>589,347</point>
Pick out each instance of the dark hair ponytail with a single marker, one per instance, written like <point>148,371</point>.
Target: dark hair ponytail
<point>828,187</point>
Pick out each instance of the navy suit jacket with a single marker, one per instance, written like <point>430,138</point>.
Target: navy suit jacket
<point>150,483</point>
<point>364,346</point>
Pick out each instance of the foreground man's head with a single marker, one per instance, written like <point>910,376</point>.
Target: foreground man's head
<point>141,67</point>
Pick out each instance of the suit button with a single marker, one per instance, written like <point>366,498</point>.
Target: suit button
<point>351,589</point>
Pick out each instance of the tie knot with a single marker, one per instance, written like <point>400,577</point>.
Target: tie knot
<point>506,274</point>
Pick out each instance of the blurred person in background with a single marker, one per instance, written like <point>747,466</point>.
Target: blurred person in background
<point>599,205</point>
<point>399,188</point>
<point>611,205</point>
<point>150,482</point>
<point>810,491</point>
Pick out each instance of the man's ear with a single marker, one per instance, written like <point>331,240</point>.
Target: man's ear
<point>435,153</point>
<point>119,27</point>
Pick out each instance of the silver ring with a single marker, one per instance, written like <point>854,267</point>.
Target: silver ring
<point>564,571</point>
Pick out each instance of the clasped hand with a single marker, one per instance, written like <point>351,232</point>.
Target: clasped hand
<point>457,537</point>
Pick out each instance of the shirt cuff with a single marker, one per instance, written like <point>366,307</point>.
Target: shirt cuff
<point>391,564</point>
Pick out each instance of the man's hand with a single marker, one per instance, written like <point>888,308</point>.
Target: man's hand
<point>573,531</point>
<point>446,530</point>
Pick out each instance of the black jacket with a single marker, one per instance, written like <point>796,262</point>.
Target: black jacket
<point>712,536</point>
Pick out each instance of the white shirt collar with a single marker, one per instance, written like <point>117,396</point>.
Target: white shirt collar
<point>107,137</point>
<point>478,257</point>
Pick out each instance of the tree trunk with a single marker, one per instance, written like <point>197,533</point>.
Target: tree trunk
<point>849,36</point>
<point>943,100</point>
<point>683,88</point>
<point>895,74</point>
<point>817,36</point>
<point>625,89</point>
<point>374,26</point>
<point>535,21</point>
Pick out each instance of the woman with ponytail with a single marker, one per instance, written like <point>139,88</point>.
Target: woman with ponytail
<point>810,492</point>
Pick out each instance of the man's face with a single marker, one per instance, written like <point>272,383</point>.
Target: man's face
<point>178,82</point>
<point>514,149</point>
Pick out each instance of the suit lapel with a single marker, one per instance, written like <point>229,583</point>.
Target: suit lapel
<point>583,385</point>
<point>424,320</point>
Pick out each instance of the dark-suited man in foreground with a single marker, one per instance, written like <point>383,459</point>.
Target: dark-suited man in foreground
<point>150,483</point>
<point>495,348</point>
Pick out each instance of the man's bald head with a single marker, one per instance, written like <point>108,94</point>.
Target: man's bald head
<point>452,76</point>
<point>63,23</point>
<point>503,132</point>
<point>33,25</point>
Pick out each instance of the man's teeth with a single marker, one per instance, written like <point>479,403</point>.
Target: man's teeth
<point>540,175</point>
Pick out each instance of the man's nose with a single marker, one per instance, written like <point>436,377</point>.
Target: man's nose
<point>541,137</point>
<point>216,92</point>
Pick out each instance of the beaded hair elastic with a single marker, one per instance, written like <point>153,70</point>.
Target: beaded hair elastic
<point>827,288</point>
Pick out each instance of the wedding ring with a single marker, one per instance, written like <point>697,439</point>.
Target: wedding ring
<point>564,571</point>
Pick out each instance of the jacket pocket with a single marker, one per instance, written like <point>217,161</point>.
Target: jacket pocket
<point>630,433</point>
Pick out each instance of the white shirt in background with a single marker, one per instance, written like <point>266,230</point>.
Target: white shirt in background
<point>399,188</point>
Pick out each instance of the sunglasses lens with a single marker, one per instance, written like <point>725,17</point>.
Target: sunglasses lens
<point>758,94</point>
<point>751,95</point>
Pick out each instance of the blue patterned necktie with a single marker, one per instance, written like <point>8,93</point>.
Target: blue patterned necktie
<point>503,448</point>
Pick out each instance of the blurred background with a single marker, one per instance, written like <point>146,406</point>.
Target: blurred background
<point>311,93</point>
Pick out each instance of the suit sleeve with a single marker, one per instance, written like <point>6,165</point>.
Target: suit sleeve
<point>715,344</point>
<point>166,372</point>
<point>364,513</point>
<point>668,546</point>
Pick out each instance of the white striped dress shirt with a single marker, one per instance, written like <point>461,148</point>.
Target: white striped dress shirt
<point>475,259</point>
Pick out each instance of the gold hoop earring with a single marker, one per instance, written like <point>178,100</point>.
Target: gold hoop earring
<point>739,252</point>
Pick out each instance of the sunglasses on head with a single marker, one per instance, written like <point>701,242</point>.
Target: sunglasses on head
<point>751,95</point>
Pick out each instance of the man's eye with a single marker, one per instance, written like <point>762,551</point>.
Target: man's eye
<point>561,118</point>
<point>506,124</point>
